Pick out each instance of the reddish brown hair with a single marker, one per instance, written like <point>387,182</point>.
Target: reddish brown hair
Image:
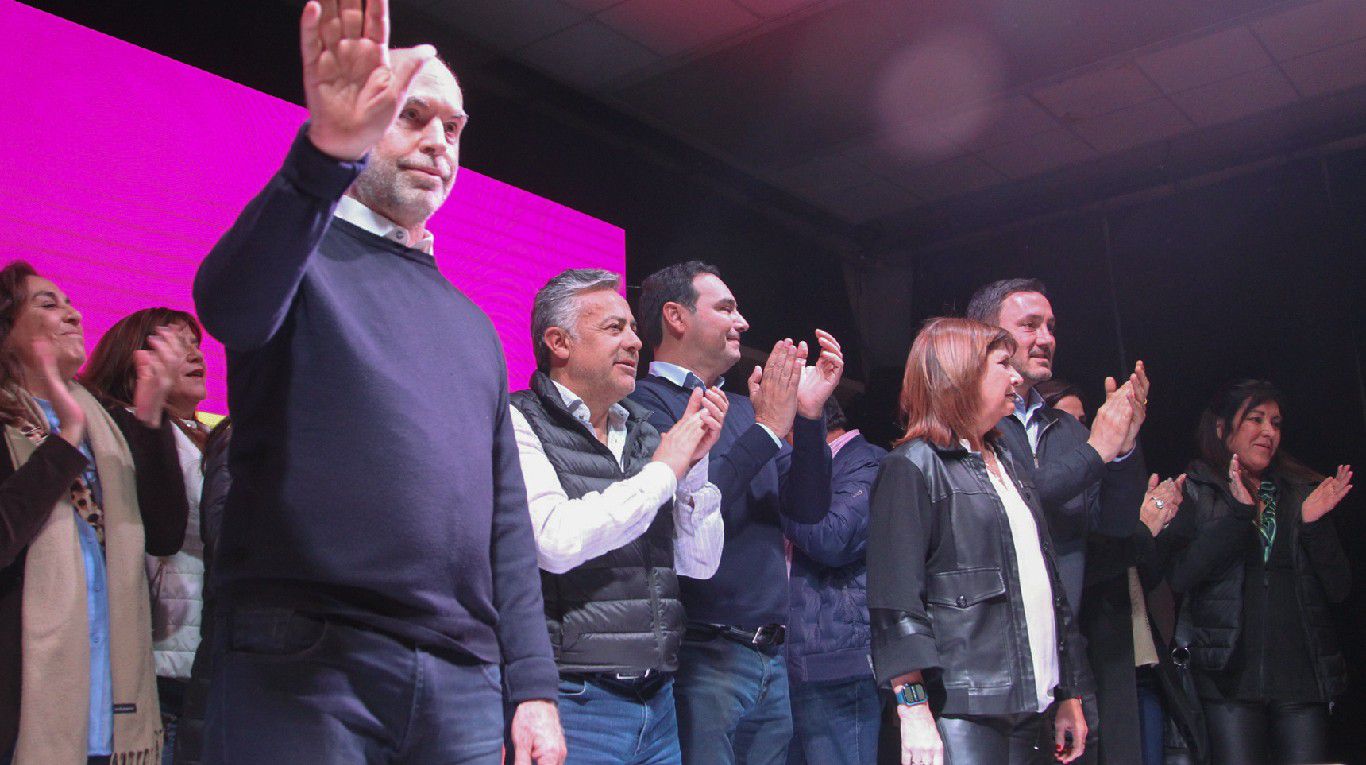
<point>111,373</point>
<point>941,390</point>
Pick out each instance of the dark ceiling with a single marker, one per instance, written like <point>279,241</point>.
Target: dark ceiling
<point>915,118</point>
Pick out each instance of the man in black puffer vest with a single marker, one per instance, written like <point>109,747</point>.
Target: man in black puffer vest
<point>618,511</point>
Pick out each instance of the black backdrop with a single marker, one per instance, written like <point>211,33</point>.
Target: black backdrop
<point>1260,275</point>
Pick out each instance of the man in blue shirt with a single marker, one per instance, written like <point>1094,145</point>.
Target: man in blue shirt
<point>731,688</point>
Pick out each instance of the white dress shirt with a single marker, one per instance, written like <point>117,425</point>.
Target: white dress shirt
<point>570,532</point>
<point>352,211</point>
<point>1036,589</point>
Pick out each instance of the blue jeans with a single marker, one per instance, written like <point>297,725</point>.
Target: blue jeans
<point>611,723</point>
<point>290,687</point>
<point>732,704</point>
<point>835,722</point>
<point>1151,720</point>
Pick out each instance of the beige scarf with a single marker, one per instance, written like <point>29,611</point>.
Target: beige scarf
<point>54,705</point>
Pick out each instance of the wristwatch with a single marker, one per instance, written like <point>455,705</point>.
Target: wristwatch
<point>911,695</point>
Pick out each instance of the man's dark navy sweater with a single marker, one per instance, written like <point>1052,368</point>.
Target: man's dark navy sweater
<point>758,482</point>
<point>376,478</point>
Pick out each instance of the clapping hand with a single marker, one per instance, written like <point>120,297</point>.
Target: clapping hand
<point>1327,494</point>
<point>714,406</point>
<point>157,370</point>
<point>1110,426</point>
<point>695,433</point>
<point>1138,391</point>
<point>353,86</point>
<point>821,379</point>
<point>1161,502</point>
<point>773,387</point>
<point>42,356</point>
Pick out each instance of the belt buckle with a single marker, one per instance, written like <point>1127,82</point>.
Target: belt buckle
<point>632,677</point>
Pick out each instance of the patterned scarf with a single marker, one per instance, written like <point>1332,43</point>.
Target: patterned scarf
<point>34,427</point>
<point>1266,526</point>
<point>54,704</point>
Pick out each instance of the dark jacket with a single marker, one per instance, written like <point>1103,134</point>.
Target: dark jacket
<point>620,611</point>
<point>943,585</point>
<point>189,737</point>
<point>1216,545</point>
<point>760,482</point>
<point>827,626</point>
<point>1079,494</point>
<point>1106,623</point>
<point>26,499</point>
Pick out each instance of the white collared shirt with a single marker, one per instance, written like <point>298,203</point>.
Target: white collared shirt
<point>1036,588</point>
<point>354,212</point>
<point>571,532</point>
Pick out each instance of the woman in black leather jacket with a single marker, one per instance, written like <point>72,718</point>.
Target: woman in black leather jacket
<point>964,597</point>
<point>1258,565</point>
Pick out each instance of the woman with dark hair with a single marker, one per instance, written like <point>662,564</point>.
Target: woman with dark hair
<point>85,494</point>
<point>1258,565</point>
<point>177,580</point>
<point>968,614</point>
<point>1063,395</point>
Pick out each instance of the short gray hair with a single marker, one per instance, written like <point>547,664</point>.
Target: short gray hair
<point>557,305</point>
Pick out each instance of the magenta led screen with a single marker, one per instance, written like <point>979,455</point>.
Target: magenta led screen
<point>122,167</point>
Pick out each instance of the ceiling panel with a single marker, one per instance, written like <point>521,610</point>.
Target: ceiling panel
<point>1034,154</point>
<point>836,172</point>
<point>587,55</point>
<point>1007,120</point>
<point>592,6</point>
<point>959,175</point>
<point>1150,121</point>
<point>1204,60</point>
<point>1095,93</point>
<point>1330,70</point>
<point>876,199</point>
<point>772,8</point>
<point>1298,31</point>
<point>1236,97</point>
<point>507,24</point>
<point>669,27</point>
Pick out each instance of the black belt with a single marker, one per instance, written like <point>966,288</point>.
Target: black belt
<point>765,638</point>
<point>638,681</point>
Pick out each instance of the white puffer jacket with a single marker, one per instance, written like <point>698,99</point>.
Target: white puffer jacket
<point>178,580</point>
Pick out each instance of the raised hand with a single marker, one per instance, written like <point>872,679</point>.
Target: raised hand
<point>41,356</point>
<point>1138,387</point>
<point>1161,502</point>
<point>1327,494</point>
<point>820,380</point>
<point>353,86</point>
<point>773,387</point>
<point>157,370</point>
<point>536,734</point>
<point>1111,423</point>
<point>713,413</point>
<point>678,445</point>
<point>1236,486</point>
